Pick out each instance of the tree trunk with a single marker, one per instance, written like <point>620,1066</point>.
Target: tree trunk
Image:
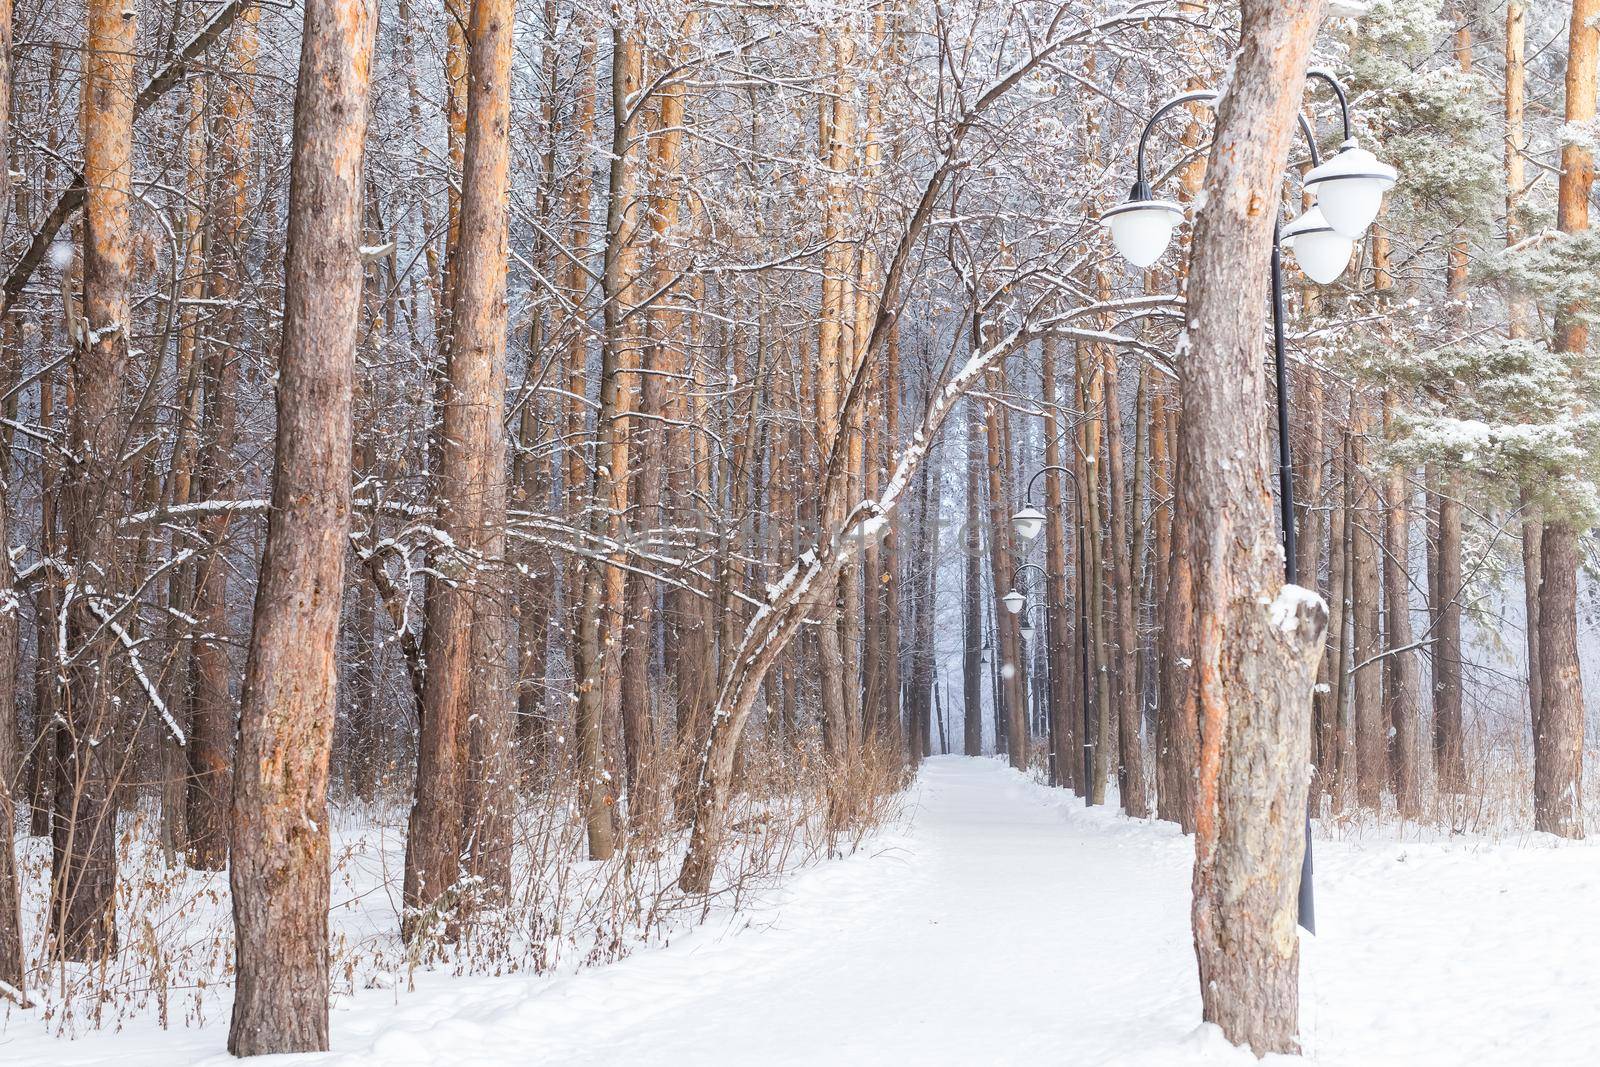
<point>1059,631</point>
<point>1558,742</point>
<point>83,884</point>
<point>1130,770</point>
<point>211,699</point>
<point>463,764</point>
<point>600,623</point>
<point>1370,729</point>
<point>972,603</point>
<point>1329,705</point>
<point>12,962</point>
<point>1405,709</point>
<point>280,820</point>
<point>1257,641</point>
<point>1008,653</point>
<point>479,325</point>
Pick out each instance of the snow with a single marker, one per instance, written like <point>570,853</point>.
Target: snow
<point>1000,921</point>
<point>1291,603</point>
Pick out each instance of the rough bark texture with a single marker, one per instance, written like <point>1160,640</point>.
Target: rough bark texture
<point>211,700</point>
<point>1130,769</point>
<point>972,605</point>
<point>1257,642</point>
<point>463,763</point>
<point>1366,664</point>
<point>1558,739</point>
<point>1448,739</point>
<point>1405,680</point>
<point>83,885</point>
<point>1558,742</point>
<point>478,337</point>
<point>1329,705</point>
<point>280,821</point>
<point>1059,631</point>
<point>1008,642</point>
<point>11,777</point>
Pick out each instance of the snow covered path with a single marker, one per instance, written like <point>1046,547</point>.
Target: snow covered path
<point>1004,923</point>
<point>991,933</point>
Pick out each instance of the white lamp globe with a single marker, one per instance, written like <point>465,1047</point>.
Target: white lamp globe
<point>1014,601</point>
<point>1322,252</point>
<point>1142,229</point>
<point>1027,631</point>
<point>1350,187</point>
<point>1028,522</point>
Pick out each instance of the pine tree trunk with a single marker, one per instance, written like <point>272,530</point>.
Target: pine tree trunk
<point>83,883</point>
<point>1519,315</point>
<point>1180,732</point>
<point>1404,704</point>
<point>1058,625</point>
<point>211,700</point>
<point>1008,654</point>
<point>479,325</point>
<point>1329,705</point>
<point>972,606</point>
<point>600,622</point>
<point>279,828</point>
<point>1558,742</point>
<point>1370,728</point>
<point>1130,769</point>
<point>1257,645</point>
<point>12,962</point>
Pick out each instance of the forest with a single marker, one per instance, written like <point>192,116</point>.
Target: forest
<point>491,490</point>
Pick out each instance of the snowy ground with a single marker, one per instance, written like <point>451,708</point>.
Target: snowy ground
<point>1005,923</point>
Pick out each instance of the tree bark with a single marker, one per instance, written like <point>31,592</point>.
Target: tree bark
<point>972,604</point>
<point>461,807</point>
<point>479,325</point>
<point>83,885</point>
<point>1405,708</point>
<point>1257,641</point>
<point>1558,742</point>
<point>1130,770</point>
<point>211,699</point>
<point>280,821</point>
<point>12,962</point>
<point>1371,760</point>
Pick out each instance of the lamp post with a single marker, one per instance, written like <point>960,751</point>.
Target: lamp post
<point>1349,190</point>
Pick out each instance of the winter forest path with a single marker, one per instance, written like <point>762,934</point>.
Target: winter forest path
<point>1002,922</point>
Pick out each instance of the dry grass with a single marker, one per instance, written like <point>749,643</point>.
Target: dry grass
<point>174,964</point>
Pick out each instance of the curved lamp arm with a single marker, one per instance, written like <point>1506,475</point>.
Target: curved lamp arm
<point>1322,74</point>
<point>1028,496</point>
<point>1017,571</point>
<point>1141,185</point>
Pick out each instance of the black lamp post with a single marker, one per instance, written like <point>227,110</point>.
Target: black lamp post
<point>1349,188</point>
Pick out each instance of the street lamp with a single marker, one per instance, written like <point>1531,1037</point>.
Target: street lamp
<point>1141,226</point>
<point>1028,522</point>
<point>1350,187</point>
<point>1349,190</point>
<point>1322,251</point>
<point>1014,601</point>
